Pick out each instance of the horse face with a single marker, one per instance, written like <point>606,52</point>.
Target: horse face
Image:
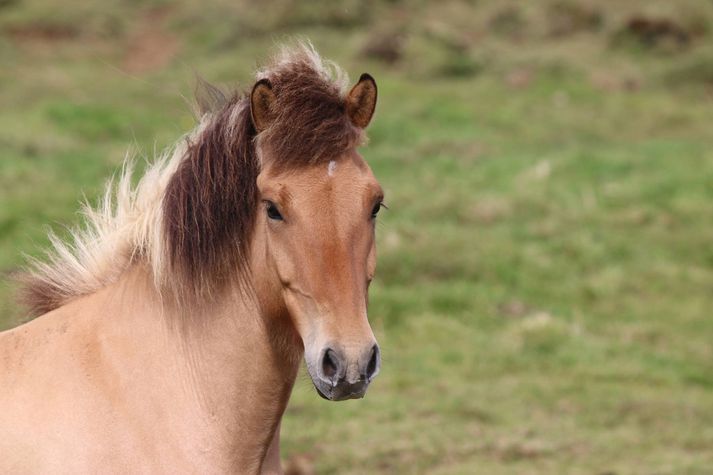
<point>319,226</point>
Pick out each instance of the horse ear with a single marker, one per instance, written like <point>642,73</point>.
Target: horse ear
<point>261,100</point>
<point>208,97</point>
<point>361,101</point>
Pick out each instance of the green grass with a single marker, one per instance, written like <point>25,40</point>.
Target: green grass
<point>543,298</point>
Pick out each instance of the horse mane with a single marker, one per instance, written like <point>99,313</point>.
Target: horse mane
<point>190,218</point>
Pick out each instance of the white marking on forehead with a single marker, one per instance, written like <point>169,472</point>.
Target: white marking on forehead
<point>331,168</point>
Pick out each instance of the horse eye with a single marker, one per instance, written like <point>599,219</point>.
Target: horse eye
<point>273,212</point>
<point>376,209</point>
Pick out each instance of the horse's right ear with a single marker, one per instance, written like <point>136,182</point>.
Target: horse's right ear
<point>261,100</point>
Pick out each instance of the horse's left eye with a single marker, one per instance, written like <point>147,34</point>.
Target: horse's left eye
<point>376,209</point>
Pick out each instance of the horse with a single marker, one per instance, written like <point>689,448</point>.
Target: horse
<point>172,325</point>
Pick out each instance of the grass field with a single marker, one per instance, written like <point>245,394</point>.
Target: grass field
<point>544,298</point>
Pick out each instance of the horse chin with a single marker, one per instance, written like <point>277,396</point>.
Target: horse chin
<point>340,392</point>
<point>321,394</point>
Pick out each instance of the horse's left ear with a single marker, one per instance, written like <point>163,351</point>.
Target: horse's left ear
<point>361,101</point>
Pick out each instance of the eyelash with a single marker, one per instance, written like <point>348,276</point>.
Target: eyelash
<point>377,208</point>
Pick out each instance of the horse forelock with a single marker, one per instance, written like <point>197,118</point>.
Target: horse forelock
<point>309,123</point>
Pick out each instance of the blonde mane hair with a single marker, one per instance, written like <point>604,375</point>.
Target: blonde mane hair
<point>191,215</point>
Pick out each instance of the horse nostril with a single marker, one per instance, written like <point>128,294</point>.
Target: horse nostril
<point>373,362</point>
<point>330,364</point>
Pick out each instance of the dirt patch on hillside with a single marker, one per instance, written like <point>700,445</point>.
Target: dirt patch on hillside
<point>41,33</point>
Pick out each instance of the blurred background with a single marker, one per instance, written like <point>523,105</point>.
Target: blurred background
<point>545,281</point>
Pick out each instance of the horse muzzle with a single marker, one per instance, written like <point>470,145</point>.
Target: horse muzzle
<point>338,377</point>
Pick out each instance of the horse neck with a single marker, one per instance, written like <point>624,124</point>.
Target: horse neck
<point>234,361</point>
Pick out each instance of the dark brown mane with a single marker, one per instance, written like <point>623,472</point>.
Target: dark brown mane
<point>210,202</point>
<point>209,205</point>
